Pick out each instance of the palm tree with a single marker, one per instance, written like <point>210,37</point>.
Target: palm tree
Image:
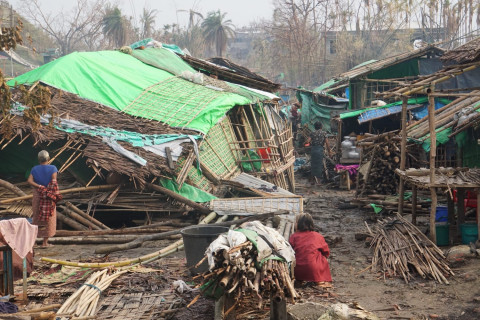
<point>191,17</point>
<point>114,26</point>
<point>217,31</point>
<point>148,21</point>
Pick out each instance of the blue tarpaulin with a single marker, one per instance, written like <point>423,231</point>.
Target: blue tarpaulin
<point>381,113</point>
<point>418,107</point>
<point>422,112</point>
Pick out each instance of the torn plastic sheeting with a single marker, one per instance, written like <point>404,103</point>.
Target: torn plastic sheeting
<point>280,245</point>
<point>376,208</point>
<point>128,154</point>
<point>134,138</point>
<point>175,147</point>
<point>225,242</point>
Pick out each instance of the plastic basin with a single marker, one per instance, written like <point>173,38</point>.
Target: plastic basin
<point>441,214</point>
<point>469,232</point>
<point>196,240</point>
<point>442,230</point>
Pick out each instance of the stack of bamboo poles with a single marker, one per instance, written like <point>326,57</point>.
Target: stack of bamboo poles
<point>390,203</point>
<point>83,303</point>
<point>400,248</point>
<point>444,117</point>
<point>242,279</point>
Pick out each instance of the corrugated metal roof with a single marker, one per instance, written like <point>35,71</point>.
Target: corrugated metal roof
<point>372,66</point>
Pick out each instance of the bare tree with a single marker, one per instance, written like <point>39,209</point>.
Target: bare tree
<point>76,29</point>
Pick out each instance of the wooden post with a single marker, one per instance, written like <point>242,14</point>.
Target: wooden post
<point>403,156</point>
<point>278,309</point>
<point>451,218</point>
<point>229,307</point>
<point>219,305</point>
<point>460,210</point>
<point>414,205</point>
<point>478,212</point>
<point>339,139</point>
<point>433,150</point>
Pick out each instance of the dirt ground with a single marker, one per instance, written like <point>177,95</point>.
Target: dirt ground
<point>352,280</point>
<point>387,298</point>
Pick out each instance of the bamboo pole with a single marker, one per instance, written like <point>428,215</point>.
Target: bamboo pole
<point>7,185</point>
<point>138,242</point>
<point>75,216</point>
<point>403,157</point>
<point>414,205</point>
<point>180,198</point>
<point>70,222</point>
<point>45,308</point>
<point>433,150</point>
<point>478,210</point>
<point>72,190</point>
<point>174,247</point>
<point>86,216</point>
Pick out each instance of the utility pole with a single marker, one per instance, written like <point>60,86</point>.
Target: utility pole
<point>12,25</point>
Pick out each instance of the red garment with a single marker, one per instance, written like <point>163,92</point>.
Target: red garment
<point>49,196</point>
<point>311,253</point>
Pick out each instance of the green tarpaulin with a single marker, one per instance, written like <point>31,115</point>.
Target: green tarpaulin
<point>316,111</point>
<point>442,137</point>
<point>187,191</point>
<point>111,78</point>
<point>163,59</point>
<point>119,81</point>
<point>326,85</point>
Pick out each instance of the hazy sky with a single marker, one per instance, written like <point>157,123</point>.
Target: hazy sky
<point>241,12</point>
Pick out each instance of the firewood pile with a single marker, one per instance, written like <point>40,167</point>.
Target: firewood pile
<point>401,249</point>
<point>243,279</point>
<point>380,158</point>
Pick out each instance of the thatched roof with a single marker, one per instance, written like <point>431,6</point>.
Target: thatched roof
<point>469,52</point>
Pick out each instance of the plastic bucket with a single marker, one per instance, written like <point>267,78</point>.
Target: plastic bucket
<point>469,232</point>
<point>196,240</point>
<point>442,230</point>
<point>441,214</point>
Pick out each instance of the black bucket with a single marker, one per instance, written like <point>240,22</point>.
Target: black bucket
<point>196,240</point>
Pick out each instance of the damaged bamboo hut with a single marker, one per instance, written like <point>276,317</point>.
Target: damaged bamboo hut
<point>167,130</point>
<point>338,102</point>
<point>442,125</point>
<point>155,145</point>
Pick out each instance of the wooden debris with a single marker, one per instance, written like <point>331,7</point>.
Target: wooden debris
<point>138,242</point>
<point>400,248</point>
<point>381,159</point>
<point>84,301</point>
<point>242,278</point>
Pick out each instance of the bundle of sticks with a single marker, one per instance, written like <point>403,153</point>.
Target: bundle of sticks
<point>84,302</point>
<point>242,278</point>
<point>400,248</point>
<point>380,157</point>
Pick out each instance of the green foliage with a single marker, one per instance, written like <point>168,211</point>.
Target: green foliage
<point>114,26</point>
<point>217,31</point>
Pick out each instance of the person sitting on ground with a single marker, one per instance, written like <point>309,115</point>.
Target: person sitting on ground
<point>43,178</point>
<point>311,252</point>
